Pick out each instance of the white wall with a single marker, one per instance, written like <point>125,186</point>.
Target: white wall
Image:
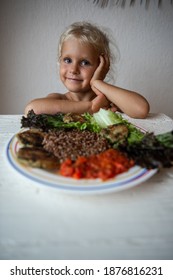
<point>29,33</point>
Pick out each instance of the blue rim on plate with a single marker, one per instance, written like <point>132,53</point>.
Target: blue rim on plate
<point>134,176</point>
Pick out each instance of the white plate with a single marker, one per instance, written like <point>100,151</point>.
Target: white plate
<point>131,178</point>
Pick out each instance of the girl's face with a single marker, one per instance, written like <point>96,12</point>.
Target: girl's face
<point>78,63</point>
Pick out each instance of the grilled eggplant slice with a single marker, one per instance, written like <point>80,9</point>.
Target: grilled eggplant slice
<point>72,117</point>
<point>115,133</point>
<point>31,137</point>
<point>38,157</point>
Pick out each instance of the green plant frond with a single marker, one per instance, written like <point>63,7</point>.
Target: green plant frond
<point>122,3</point>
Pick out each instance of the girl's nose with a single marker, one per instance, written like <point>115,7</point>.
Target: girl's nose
<point>74,69</point>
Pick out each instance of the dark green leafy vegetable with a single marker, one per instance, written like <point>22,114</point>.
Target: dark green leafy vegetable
<point>166,139</point>
<point>46,122</point>
<point>41,121</point>
<point>151,152</point>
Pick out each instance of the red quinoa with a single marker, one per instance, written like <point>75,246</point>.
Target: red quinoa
<point>73,143</point>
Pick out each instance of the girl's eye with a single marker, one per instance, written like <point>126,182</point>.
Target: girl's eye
<point>67,60</point>
<point>85,63</point>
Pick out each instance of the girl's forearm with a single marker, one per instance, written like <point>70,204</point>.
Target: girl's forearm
<point>129,102</point>
<point>53,106</point>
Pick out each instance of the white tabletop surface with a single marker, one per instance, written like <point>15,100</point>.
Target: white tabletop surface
<point>39,222</point>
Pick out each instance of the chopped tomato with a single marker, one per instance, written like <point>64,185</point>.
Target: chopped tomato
<point>105,165</point>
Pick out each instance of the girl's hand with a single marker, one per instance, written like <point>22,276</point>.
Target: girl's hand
<point>100,101</point>
<point>102,69</point>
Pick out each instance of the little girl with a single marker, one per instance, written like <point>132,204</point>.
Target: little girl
<point>84,58</point>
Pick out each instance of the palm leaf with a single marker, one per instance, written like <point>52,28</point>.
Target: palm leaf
<point>104,3</point>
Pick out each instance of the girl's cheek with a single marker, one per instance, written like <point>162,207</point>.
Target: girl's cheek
<point>91,73</point>
<point>62,70</point>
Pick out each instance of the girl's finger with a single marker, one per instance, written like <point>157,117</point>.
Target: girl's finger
<point>107,61</point>
<point>102,61</point>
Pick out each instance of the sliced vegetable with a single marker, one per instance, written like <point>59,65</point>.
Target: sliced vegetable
<point>106,118</point>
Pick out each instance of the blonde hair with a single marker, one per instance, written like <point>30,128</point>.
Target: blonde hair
<point>90,34</point>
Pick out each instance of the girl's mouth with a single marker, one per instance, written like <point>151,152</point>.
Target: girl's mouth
<point>74,79</point>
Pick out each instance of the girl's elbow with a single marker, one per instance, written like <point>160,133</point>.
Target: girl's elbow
<point>146,110</point>
<point>32,106</point>
<point>143,111</point>
<point>27,109</point>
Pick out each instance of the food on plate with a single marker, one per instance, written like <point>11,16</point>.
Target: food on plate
<point>153,151</point>
<point>115,133</point>
<point>32,137</point>
<point>32,152</point>
<point>38,157</point>
<point>47,122</point>
<point>72,117</point>
<point>72,141</point>
<point>104,165</point>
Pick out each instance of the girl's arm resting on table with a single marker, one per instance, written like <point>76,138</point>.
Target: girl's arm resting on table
<point>51,105</point>
<point>56,103</point>
<point>129,102</point>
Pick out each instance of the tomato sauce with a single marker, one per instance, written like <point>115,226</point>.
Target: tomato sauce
<point>105,165</point>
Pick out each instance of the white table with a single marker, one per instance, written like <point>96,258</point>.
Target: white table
<point>39,222</point>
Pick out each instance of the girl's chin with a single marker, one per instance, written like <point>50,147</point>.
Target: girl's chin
<point>77,90</point>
